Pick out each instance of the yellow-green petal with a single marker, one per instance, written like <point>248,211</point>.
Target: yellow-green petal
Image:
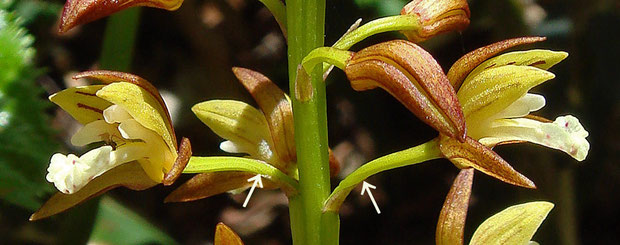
<point>81,103</point>
<point>244,126</point>
<point>539,58</point>
<point>514,225</point>
<point>142,106</point>
<point>494,89</point>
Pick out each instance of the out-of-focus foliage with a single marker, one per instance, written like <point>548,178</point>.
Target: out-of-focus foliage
<point>117,224</point>
<point>25,135</point>
<point>383,7</point>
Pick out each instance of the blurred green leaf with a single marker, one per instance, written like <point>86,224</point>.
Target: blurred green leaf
<point>382,7</point>
<point>26,138</point>
<point>117,224</point>
<point>29,10</point>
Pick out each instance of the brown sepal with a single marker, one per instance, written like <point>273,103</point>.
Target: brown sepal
<point>184,153</point>
<point>451,222</point>
<point>108,77</point>
<point>436,17</point>
<point>463,66</point>
<point>277,109</point>
<point>475,155</point>
<point>77,12</point>
<point>204,185</point>
<point>334,164</point>
<point>130,175</point>
<point>412,76</point>
<point>224,235</point>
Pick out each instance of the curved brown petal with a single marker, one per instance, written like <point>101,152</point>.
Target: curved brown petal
<point>475,155</point>
<point>184,153</point>
<point>108,77</point>
<point>413,77</point>
<point>209,184</point>
<point>224,235</point>
<point>436,17</point>
<point>451,222</point>
<point>277,109</point>
<point>130,175</point>
<point>77,12</point>
<point>463,66</point>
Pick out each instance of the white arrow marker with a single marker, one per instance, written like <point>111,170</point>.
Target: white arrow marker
<point>366,188</point>
<point>256,180</point>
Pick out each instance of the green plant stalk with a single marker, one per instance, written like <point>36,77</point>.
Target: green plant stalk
<point>306,23</point>
<point>119,39</point>
<point>392,23</point>
<point>418,154</point>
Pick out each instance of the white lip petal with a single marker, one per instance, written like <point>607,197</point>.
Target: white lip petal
<point>115,114</point>
<point>522,107</point>
<point>70,173</point>
<point>565,134</point>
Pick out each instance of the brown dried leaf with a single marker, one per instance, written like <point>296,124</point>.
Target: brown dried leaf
<point>475,155</point>
<point>462,67</point>
<point>451,223</point>
<point>130,175</point>
<point>412,76</point>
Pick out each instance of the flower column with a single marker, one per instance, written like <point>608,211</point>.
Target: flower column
<point>305,21</point>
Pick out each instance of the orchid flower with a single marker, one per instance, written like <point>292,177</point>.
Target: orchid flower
<point>77,12</point>
<point>494,95</point>
<point>514,225</point>
<point>139,150</point>
<point>265,135</point>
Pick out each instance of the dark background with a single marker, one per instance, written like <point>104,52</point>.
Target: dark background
<point>189,54</point>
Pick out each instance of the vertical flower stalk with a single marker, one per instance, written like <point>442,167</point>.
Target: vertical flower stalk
<point>305,21</point>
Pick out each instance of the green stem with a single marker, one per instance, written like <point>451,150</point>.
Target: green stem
<point>414,155</point>
<point>119,39</point>
<point>392,23</point>
<point>306,22</point>
<point>329,55</point>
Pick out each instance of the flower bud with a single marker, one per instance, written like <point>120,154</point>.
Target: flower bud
<point>436,17</point>
<point>77,12</point>
<point>413,77</point>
